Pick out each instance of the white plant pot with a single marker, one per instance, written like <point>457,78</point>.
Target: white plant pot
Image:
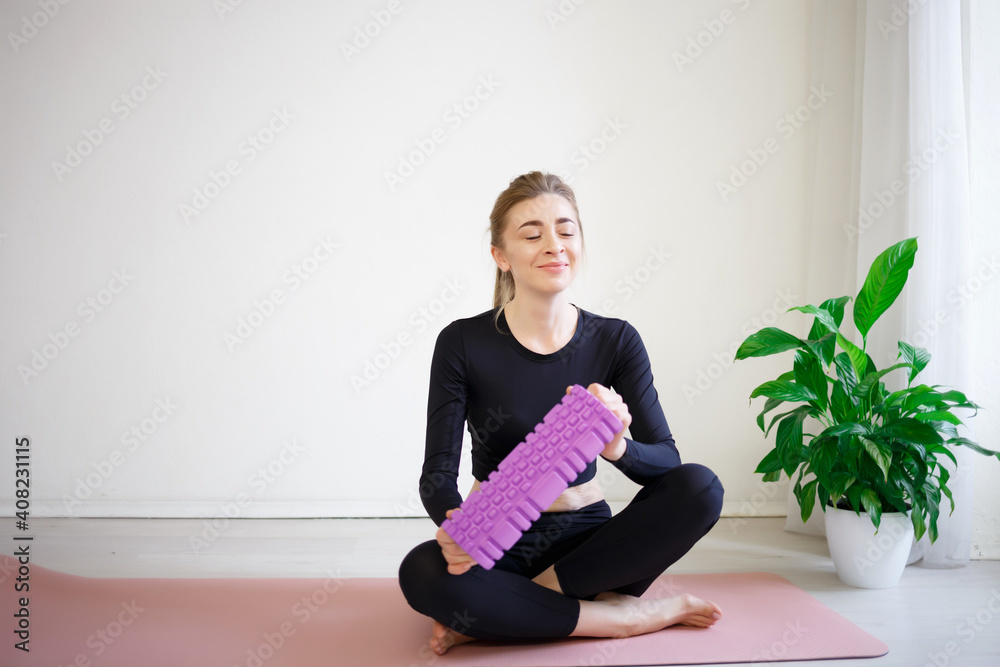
<point>862,558</point>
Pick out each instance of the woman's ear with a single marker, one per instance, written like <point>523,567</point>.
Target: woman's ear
<point>499,258</point>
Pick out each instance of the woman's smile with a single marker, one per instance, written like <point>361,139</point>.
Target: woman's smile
<point>555,267</point>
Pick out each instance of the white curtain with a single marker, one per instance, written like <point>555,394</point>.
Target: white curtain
<point>940,215</point>
<point>908,177</point>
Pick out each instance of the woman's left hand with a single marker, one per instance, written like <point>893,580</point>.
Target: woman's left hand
<point>615,449</point>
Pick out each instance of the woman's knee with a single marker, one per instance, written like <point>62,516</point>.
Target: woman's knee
<point>697,484</point>
<point>420,573</point>
<point>708,493</point>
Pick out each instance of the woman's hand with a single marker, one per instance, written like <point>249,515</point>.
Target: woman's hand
<point>615,449</point>
<point>459,562</point>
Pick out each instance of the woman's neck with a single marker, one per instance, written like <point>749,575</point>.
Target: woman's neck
<point>542,326</point>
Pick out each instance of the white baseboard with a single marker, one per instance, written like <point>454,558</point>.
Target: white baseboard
<point>318,509</point>
<point>741,508</point>
<point>288,509</point>
<point>986,551</point>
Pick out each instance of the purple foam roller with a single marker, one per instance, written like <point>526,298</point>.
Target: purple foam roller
<point>532,476</point>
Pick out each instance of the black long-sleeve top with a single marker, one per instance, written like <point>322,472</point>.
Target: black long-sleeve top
<point>488,381</point>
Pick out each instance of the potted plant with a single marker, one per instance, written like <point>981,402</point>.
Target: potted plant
<point>873,461</point>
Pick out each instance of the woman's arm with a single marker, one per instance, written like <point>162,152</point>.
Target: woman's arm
<point>446,414</point>
<point>652,452</point>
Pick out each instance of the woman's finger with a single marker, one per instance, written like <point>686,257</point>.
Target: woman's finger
<point>613,402</point>
<point>459,561</point>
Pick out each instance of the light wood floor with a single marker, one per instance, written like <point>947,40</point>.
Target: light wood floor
<point>930,613</point>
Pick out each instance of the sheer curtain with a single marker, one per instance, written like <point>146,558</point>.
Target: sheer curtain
<point>940,216</point>
<point>908,177</point>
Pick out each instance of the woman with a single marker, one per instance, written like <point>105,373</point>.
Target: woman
<point>577,571</point>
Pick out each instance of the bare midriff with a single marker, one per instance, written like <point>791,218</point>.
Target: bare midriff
<point>573,498</point>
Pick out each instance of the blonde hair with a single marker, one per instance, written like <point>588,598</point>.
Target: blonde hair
<point>526,186</point>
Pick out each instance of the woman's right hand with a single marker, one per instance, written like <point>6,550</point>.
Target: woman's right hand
<point>459,562</point>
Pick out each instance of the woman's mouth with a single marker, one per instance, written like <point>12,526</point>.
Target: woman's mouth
<point>554,267</point>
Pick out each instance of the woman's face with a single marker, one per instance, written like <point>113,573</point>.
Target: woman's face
<point>541,244</point>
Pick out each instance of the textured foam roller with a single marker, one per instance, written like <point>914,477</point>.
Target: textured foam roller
<point>532,476</point>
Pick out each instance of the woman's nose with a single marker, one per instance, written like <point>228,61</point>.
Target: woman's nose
<point>555,244</point>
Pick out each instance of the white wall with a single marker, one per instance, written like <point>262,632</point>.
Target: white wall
<point>984,159</point>
<point>410,256</point>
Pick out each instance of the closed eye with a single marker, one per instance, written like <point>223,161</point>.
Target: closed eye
<point>535,238</point>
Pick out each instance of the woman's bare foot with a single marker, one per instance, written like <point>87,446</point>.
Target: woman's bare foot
<point>617,615</point>
<point>443,638</point>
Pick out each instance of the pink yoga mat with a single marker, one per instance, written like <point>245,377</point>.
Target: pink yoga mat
<point>337,622</point>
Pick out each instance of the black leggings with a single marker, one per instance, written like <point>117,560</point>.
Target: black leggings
<point>592,552</point>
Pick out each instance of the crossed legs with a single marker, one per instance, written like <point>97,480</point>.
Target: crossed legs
<point>590,579</point>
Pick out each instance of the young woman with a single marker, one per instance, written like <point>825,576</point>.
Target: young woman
<point>578,571</point>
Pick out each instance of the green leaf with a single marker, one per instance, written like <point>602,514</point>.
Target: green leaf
<point>943,485</point>
<point>785,390</point>
<point>869,365</point>
<point>944,429</point>
<point>958,400</point>
<point>823,453</point>
<point>776,418</point>
<point>853,495</point>
<point>909,430</point>
<point>917,356</point>
<point>809,373</point>
<point>836,308</point>
<point>807,499</point>
<point>823,317</point>
<point>844,427</point>
<point>769,463</point>
<point>892,497</point>
<point>868,471</point>
<point>841,404</point>
<point>905,482</point>
<point>942,449</point>
<point>841,482</point>
<point>845,372</point>
<point>788,441</point>
<point>859,360</point>
<point>923,395</point>
<point>865,386</point>
<point>885,281</point>
<point>938,416</point>
<point>770,340</point>
<point>871,503</point>
<point>880,454</point>
<point>772,476</point>
<point>771,404</point>
<point>931,496</point>
<point>823,347</point>
<point>974,446</point>
<point>899,398</point>
<point>917,519</point>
